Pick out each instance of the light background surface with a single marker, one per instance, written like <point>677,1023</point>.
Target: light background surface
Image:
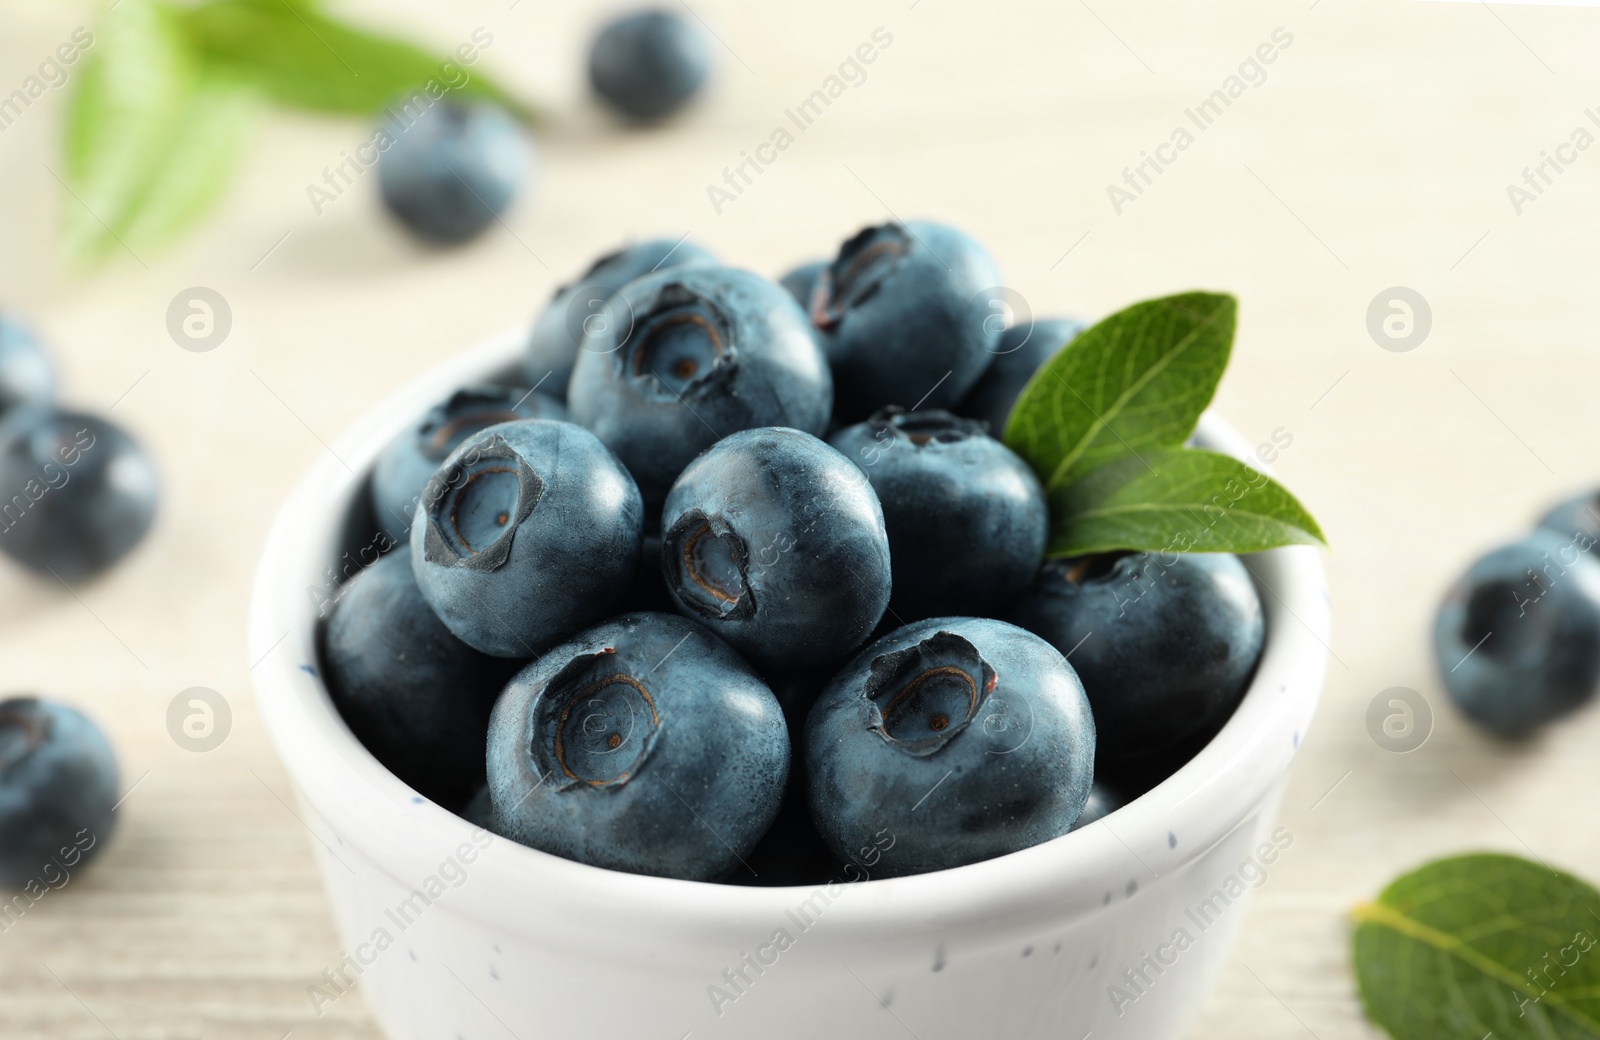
<point>1376,153</point>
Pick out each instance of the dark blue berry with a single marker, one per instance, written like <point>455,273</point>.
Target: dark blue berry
<point>776,542</point>
<point>904,315</point>
<point>1577,515</point>
<point>413,693</point>
<point>1103,801</point>
<point>479,811</point>
<point>967,519</point>
<point>1518,637</point>
<point>411,458</point>
<point>453,169</point>
<point>947,742</point>
<point>27,378</point>
<point>80,493</point>
<point>1165,643</point>
<point>585,314</point>
<point>648,64</point>
<point>58,789</point>
<point>802,280</point>
<point>527,533</point>
<point>710,351</point>
<point>1018,355</point>
<point>644,744</point>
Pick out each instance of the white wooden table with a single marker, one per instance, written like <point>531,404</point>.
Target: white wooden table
<point>1375,153</point>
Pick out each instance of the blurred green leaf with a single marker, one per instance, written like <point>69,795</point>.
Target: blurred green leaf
<point>152,135</point>
<point>301,57</point>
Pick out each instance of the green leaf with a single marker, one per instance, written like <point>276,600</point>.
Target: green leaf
<point>214,130</point>
<point>1136,381</point>
<point>1177,500</point>
<point>1482,945</point>
<point>303,58</point>
<point>152,136</point>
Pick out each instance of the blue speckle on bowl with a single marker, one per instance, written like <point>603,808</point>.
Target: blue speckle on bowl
<point>494,973</point>
<point>309,670</point>
<point>938,957</point>
<point>1296,738</point>
<point>416,799</point>
<point>1172,840</point>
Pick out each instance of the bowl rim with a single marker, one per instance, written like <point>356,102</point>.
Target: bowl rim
<point>514,887</point>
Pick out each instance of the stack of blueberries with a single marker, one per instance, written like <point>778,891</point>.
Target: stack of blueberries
<point>77,494</point>
<point>745,588</point>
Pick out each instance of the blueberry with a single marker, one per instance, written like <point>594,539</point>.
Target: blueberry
<point>451,171</point>
<point>1518,637</point>
<point>411,458</point>
<point>58,787</point>
<point>1103,801</point>
<point>967,519</point>
<point>644,744</point>
<point>1132,777</point>
<point>792,851</point>
<point>1165,643</point>
<point>902,315</point>
<point>527,533</point>
<point>797,689</point>
<point>584,313</point>
<point>802,280</point>
<point>710,351</point>
<point>27,378</point>
<point>414,694</point>
<point>1578,515</point>
<point>479,811</point>
<point>82,493</point>
<point>947,742</point>
<point>1021,351</point>
<point>776,542</point>
<point>648,593</point>
<point>648,64</point>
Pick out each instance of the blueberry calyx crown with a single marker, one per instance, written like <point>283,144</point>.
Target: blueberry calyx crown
<point>925,428</point>
<point>682,343</point>
<point>475,506</point>
<point>864,263</point>
<point>707,563</point>
<point>23,727</point>
<point>467,412</point>
<point>921,698</point>
<point>594,725</point>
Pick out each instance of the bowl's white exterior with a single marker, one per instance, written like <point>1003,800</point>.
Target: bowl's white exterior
<point>1118,930</point>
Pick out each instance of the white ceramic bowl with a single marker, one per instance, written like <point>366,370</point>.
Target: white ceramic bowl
<point>1118,929</point>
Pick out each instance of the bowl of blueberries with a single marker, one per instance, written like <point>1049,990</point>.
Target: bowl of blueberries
<point>693,665</point>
